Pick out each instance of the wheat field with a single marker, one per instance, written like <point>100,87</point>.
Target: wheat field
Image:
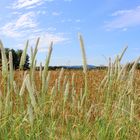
<point>69,104</point>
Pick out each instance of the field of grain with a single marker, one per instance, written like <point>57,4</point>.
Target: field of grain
<point>94,78</point>
<point>69,104</point>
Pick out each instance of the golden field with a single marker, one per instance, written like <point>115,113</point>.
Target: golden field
<point>69,104</point>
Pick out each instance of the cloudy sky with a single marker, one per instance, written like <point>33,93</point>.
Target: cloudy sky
<point>107,27</point>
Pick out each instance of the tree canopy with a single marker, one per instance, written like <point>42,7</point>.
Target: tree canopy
<point>16,58</point>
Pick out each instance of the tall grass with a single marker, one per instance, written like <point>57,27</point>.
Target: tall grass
<point>30,110</point>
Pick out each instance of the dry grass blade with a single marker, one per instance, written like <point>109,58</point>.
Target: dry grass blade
<point>66,92</point>
<point>121,56</point>
<point>47,81</point>
<point>11,70</point>
<point>134,65</point>
<point>30,114</point>
<point>59,79</point>
<point>34,52</point>
<point>23,56</point>
<point>31,91</point>
<point>4,61</point>
<point>122,72</point>
<point>1,104</point>
<point>84,64</point>
<point>83,53</point>
<point>44,73</point>
<point>22,89</point>
<point>40,71</point>
<point>132,111</point>
<point>48,60</point>
<point>72,81</point>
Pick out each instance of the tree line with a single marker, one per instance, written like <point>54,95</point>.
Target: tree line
<point>17,55</point>
<point>16,58</point>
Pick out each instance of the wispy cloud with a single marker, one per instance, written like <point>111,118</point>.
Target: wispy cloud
<point>56,13</point>
<point>78,20</point>
<point>42,12</point>
<point>66,20</point>
<point>9,30</point>
<point>121,12</point>
<point>28,3</point>
<point>56,38</point>
<point>51,29</point>
<point>124,19</point>
<point>17,27</point>
<point>14,30</point>
<point>25,24</point>
<point>26,21</point>
<point>46,38</point>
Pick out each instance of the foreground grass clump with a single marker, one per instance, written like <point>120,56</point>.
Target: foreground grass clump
<point>30,109</point>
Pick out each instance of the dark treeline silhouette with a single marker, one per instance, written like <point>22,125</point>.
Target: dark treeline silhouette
<point>129,65</point>
<point>16,58</point>
<point>90,67</point>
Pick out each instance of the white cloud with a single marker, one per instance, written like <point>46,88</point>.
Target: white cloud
<point>28,3</point>
<point>26,21</point>
<point>56,13</point>
<point>51,29</point>
<point>77,20</point>
<point>121,12</point>
<point>66,20</point>
<point>46,38</point>
<point>25,25</point>
<point>55,38</point>
<point>16,28</point>
<point>9,30</point>
<point>124,19</point>
<point>16,13</point>
<point>136,49</point>
<point>42,12</point>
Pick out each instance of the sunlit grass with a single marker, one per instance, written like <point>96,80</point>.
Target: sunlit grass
<point>69,104</point>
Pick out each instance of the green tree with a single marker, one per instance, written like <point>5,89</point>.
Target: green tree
<point>19,53</point>
<point>16,58</point>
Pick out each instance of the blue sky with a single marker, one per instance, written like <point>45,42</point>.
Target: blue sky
<point>107,27</point>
